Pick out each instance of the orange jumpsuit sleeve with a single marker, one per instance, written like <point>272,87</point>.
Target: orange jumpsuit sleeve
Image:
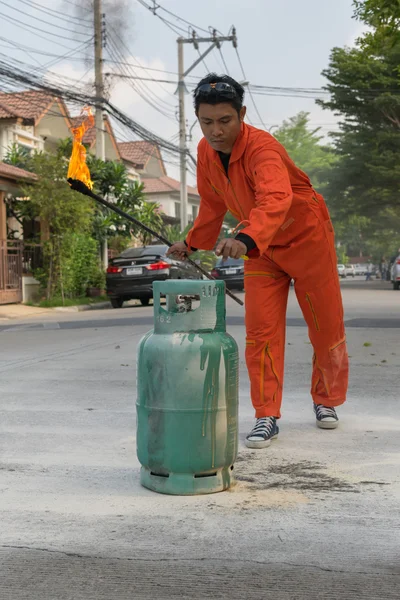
<point>206,228</point>
<point>273,197</point>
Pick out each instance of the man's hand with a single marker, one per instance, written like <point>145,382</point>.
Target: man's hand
<point>179,250</point>
<point>231,248</point>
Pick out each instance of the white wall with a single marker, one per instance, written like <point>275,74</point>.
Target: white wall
<point>167,202</point>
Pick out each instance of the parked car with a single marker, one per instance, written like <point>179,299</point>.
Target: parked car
<point>364,268</point>
<point>350,270</point>
<point>231,271</point>
<point>131,275</point>
<point>359,269</point>
<point>395,274</point>
<point>341,271</point>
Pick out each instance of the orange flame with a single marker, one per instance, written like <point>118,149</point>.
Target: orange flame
<point>78,168</point>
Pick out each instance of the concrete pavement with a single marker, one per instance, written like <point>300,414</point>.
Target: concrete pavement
<point>314,516</point>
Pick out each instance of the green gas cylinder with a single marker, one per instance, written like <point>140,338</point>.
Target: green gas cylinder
<point>187,392</point>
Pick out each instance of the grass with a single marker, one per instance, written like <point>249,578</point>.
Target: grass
<point>54,302</point>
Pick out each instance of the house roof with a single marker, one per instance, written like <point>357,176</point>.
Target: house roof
<point>30,105</point>
<point>11,172</point>
<point>139,153</point>
<point>90,136</point>
<point>165,184</point>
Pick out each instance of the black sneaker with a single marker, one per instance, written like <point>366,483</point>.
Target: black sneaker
<point>262,433</point>
<point>326,416</point>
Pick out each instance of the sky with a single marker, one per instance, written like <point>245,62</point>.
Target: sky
<point>285,43</point>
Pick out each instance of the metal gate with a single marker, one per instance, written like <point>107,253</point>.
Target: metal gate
<point>10,271</point>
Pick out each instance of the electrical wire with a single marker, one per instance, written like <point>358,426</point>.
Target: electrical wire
<point>144,91</point>
<point>88,10</point>
<point>16,76</point>
<point>124,63</point>
<point>250,93</point>
<point>69,54</point>
<point>182,20</point>
<point>55,14</point>
<point>32,27</point>
<point>155,103</point>
<point>14,21</point>
<point>43,21</point>
<point>223,60</point>
<point>136,60</point>
<point>203,61</point>
<point>175,28</point>
<point>22,47</point>
<point>143,78</point>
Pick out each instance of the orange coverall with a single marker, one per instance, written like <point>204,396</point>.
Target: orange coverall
<point>289,222</point>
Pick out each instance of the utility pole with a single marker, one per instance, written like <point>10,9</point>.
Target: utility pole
<point>215,41</point>
<point>98,74</point>
<point>99,26</point>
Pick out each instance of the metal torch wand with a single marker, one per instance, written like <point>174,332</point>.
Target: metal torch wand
<point>79,186</point>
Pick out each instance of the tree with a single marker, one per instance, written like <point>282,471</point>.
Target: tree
<point>65,212</point>
<point>364,89</point>
<point>111,181</point>
<point>304,147</point>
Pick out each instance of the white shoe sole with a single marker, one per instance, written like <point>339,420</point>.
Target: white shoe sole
<point>327,424</point>
<point>261,443</point>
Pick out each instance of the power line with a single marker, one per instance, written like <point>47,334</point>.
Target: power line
<point>17,75</point>
<point>203,61</point>
<point>119,62</point>
<point>39,69</point>
<point>14,21</point>
<point>147,94</point>
<point>223,60</point>
<point>135,59</point>
<point>68,54</point>
<point>175,28</point>
<point>251,95</point>
<point>182,20</point>
<point>21,23</point>
<point>43,20</point>
<point>55,14</point>
<point>22,47</point>
<point>88,10</point>
<point>142,92</point>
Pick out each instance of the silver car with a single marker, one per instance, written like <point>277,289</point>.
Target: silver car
<point>350,270</point>
<point>341,271</point>
<point>395,274</point>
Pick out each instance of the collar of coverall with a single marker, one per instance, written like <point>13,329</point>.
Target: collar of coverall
<point>239,145</point>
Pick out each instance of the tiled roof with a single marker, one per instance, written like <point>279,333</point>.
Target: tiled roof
<point>27,105</point>
<point>138,153</point>
<point>11,172</point>
<point>90,136</point>
<point>165,184</point>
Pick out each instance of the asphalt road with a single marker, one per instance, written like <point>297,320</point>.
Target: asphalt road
<point>316,516</point>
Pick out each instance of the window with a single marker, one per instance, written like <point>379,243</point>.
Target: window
<point>195,211</point>
<point>177,210</point>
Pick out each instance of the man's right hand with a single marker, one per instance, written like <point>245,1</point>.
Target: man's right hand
<point>179,250</point>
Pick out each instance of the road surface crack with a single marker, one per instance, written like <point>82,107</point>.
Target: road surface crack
<point>197,559</point>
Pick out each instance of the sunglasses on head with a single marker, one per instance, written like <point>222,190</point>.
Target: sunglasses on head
<point>221,88</point>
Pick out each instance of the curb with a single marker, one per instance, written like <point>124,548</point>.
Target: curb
<point>82,307</point>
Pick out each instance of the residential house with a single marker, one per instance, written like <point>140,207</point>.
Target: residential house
<point>33,120</point>
<point>111,146</point>
<point>11,251</point>
<point>146,159</point>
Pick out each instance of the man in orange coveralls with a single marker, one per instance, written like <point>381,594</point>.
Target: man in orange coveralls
<point>287,234</point>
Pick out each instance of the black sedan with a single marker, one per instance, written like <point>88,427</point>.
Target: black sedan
<point>131,275</point>
<point>231,271</point>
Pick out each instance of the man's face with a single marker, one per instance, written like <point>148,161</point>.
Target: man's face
<point>220,124</point>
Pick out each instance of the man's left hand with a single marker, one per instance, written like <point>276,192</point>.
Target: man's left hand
<point>231,248</point>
